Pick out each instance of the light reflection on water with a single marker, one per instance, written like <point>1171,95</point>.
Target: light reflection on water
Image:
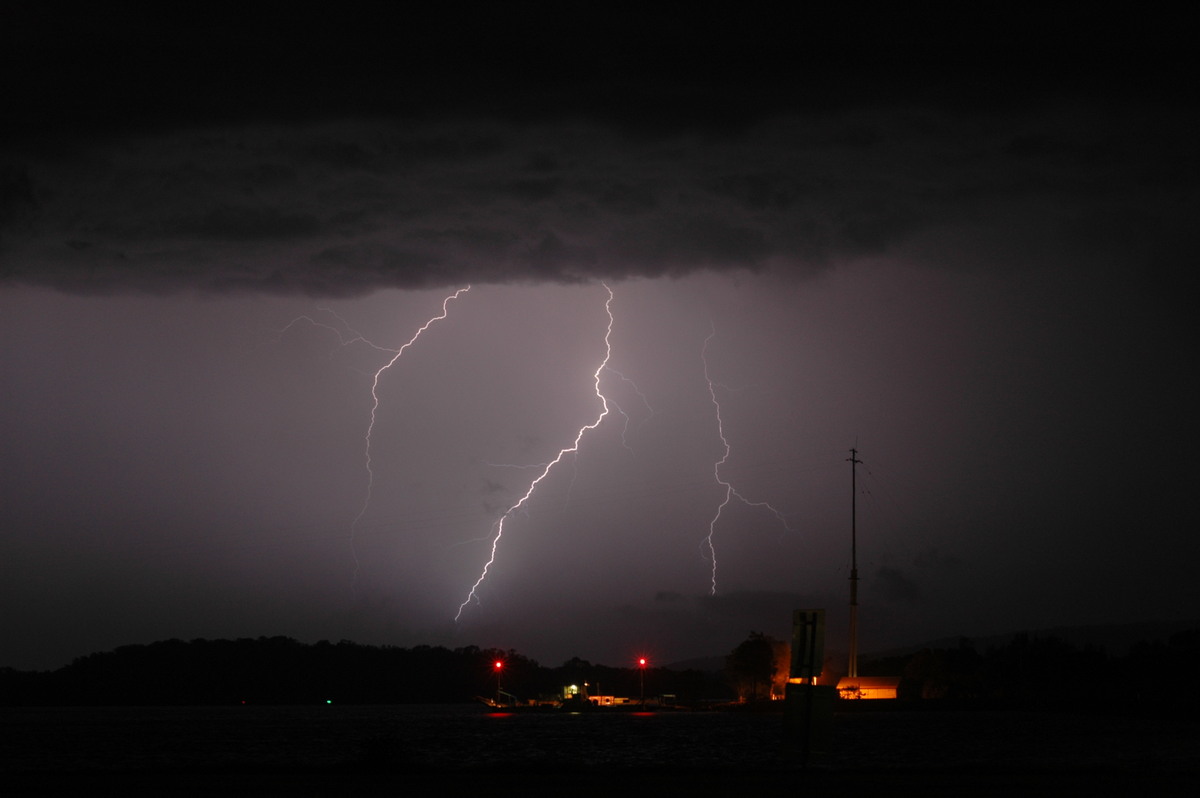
<point>468,737</point>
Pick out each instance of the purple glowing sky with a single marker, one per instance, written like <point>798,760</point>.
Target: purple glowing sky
<point>968,264</point>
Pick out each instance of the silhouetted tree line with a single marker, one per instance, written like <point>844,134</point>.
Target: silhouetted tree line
<point>1028,671</point>
<point>1049,672</point>
<point>280,670</point>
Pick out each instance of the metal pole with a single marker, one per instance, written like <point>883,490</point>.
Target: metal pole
<point>854,461</point>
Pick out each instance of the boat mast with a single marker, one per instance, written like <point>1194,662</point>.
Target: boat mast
<point>854,461</point>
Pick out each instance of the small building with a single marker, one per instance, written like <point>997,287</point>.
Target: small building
<point>856,687</point>
<point>575,693</point>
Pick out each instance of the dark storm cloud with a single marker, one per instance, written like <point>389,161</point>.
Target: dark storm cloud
<point>934,558</point>
<point>243,223</point>
<point>892,585</point>
<point>715,624</point>
<point>253,208</point>
<point>422,149</point>
<point>17,202</point>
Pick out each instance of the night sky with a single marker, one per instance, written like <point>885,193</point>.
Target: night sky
<point>958,241</point>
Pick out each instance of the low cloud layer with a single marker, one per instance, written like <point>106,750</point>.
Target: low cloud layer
<point>332,155</point>
<point>344,209</point>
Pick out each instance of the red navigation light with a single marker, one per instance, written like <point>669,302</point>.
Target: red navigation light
<point>499,665</point>
<point>641,662</point>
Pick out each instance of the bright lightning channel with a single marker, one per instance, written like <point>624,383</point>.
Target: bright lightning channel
<point>730,491</point>
<point>397,354</point>
<point>574,447</point>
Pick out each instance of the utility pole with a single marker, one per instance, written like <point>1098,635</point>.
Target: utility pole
<point>854,461</point>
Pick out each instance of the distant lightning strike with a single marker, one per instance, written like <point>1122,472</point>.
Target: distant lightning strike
<point>730,491</point>
<point>336,331</point>
<point>640,395</point>
<point>397,354</point>
<point>574,447</point>
<point>357,337</point>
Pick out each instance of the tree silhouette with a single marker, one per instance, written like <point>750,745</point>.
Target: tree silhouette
<point>754,666</point>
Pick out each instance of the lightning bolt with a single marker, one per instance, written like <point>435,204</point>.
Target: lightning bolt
<point>617,407</point>
<point>342,339</point>
<point>574,447</point>
<point>730,491</point>
<point>354,336</point>
<point>397,354</point>
<point>357,336</point>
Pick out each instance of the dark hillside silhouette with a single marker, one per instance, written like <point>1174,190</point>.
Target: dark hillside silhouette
<point>280,670</point>
<point>1028,671</point>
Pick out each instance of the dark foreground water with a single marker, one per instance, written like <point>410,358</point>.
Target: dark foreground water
<point>390,750</point>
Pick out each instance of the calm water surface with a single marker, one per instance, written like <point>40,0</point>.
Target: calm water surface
<point>461,738</point>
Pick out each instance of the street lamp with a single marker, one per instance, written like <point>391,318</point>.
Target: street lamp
<point>498,666</point>
<point>642,680</point>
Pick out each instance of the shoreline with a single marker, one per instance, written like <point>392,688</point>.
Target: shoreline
<point>582,783</point>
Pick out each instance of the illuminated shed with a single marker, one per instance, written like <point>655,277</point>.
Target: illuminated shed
<point>855,687</point>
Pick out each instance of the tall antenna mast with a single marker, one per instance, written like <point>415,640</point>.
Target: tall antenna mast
<point>854,461</point>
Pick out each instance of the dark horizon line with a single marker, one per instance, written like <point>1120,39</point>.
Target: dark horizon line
<point>1135,632</point>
